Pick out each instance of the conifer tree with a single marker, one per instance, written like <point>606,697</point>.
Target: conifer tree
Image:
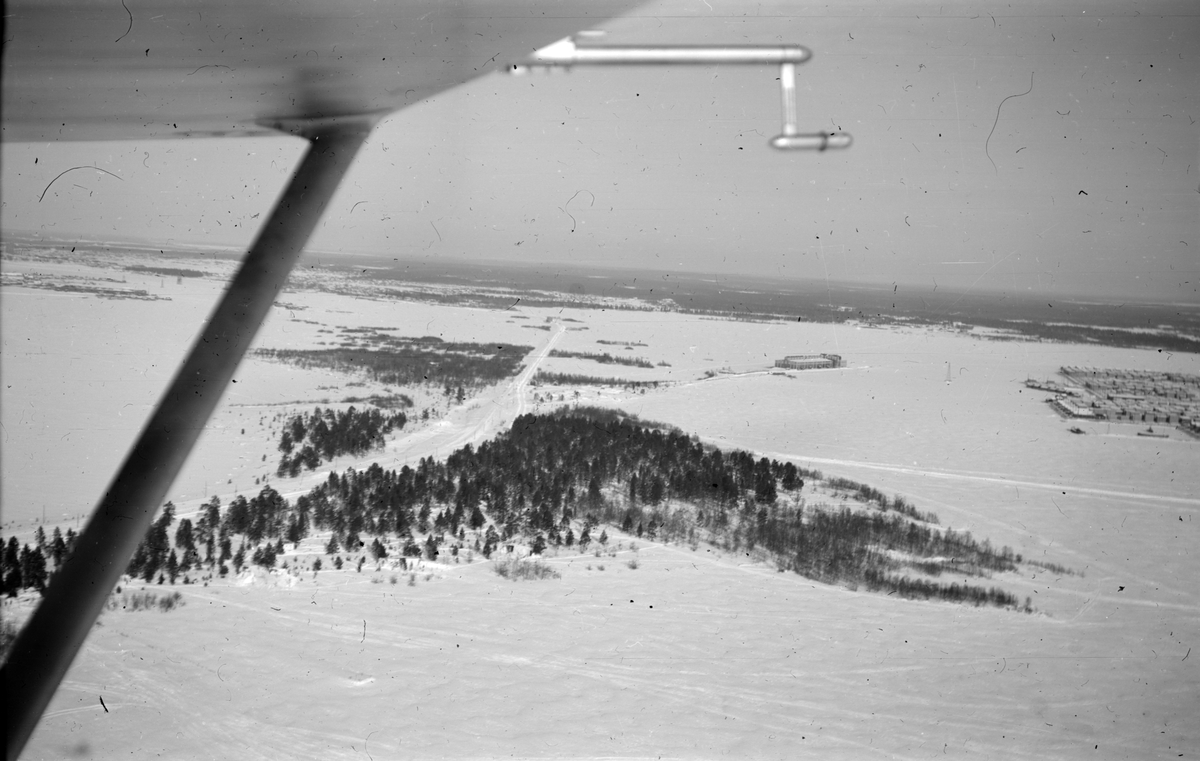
<point>791,477</point>
<point>13,581</point>
<point>477,518</point>
<point>294,532</point>
<point>58,547</point>
<point>138,561</point>
<point>378,551</point>
<point>411,550</point>
<point>212,518</point>
<point>12,578</point>
<point>657,489</point>
<point>33,568</point>
<point>183,534</point>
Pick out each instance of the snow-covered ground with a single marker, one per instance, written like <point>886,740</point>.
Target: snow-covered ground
<point>688,655</point>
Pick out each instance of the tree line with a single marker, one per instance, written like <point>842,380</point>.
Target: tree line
<point>412,361</point>
<point>603,358</point>
<point>26,567</point>
<point>561,479</point>
<point>309,439</point>
<point>544,378</point>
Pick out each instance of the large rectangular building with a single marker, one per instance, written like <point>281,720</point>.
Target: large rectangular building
<point>809,361</point>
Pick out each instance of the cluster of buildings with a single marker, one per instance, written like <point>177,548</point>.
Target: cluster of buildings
<point>809,361</point>
<point>1127,396</point>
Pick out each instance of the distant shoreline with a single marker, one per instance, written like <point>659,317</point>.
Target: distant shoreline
<point>998,317</point>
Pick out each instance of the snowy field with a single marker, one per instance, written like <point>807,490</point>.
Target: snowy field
<point>685,657</point>
<point>690,655</point>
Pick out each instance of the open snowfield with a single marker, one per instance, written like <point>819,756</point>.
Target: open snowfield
<point>684,657</point>
<point>691,654</point>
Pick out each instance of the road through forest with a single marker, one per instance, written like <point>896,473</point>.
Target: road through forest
<point>482,418</point>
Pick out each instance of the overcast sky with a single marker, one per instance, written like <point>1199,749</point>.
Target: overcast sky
<point>1087,183</point>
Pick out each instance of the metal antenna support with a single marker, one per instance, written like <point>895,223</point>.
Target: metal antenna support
<point>565,54</point>
<point>791,139</point>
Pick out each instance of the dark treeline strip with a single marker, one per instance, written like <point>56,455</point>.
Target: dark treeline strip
<point>1054,568</point>
<point>603,358</point>
<point>504,302</point>
<point>1087,334</point>
<point>571,379</point>
<point>1022,329</point>
<point>388,402</point>
<point>865,493</point>
<point>877,581</point>
<point>168,271</point>
<point>414,363</point>
<point>325,434</point>
<point>358,338</point>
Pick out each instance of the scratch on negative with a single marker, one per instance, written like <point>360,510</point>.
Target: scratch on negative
<point>593,195</point>
<point>569,214</point>
<point>211,66</point>
<point>130,29</point>
<point>72,169</point>
<point>997,121</point>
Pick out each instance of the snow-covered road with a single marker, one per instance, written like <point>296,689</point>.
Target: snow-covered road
<point>482,418</point>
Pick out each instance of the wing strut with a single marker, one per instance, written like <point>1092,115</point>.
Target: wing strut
<point>46,646</point>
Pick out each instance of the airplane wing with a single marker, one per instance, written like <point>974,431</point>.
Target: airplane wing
<point>138,69</point>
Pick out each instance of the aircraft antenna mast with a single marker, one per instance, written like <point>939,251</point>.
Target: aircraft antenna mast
<point>566,54</point>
